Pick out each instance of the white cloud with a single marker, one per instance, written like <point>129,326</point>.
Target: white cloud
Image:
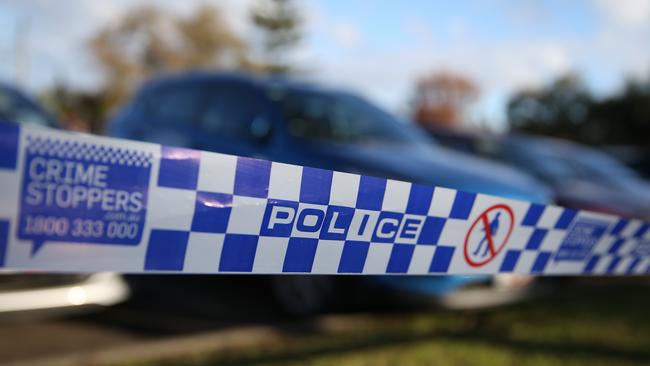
<point>627,13</point>
<point>555,58</point>
<point>605,57</point>
<point>524,13</point>
<point>458,28</point>
<point>343,55</point>
<point>388,76</point>
<point>346,34</point>
<point>417,27</point>
<point>59,32</point>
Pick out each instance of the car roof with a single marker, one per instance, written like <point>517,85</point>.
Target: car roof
<point>9,88</point>
<point>546,143</point>
<point>260,81</point>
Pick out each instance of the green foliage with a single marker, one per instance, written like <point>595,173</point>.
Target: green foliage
<point>567,109</point>
<point>279,24</point>
<point>76,110</point>
<point>148,41</point>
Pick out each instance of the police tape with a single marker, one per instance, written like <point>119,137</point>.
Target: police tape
<point>81,203</point>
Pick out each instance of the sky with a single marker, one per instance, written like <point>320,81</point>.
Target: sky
<point>376,48</point>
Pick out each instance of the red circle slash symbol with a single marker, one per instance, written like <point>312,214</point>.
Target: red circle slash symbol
<point>485,238</point>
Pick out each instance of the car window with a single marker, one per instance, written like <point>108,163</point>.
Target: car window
<point>563,163</point>
<point>343,118</point>
<point>597,166</point>
<point>554,166</point>
<point>605,164</point>
<point>230,109</point>
<point>176,104</point>
<point>18,109</point>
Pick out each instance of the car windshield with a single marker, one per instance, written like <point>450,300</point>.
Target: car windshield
<point>581,163</point>
<point>344,118</point>
<point>18,109</point>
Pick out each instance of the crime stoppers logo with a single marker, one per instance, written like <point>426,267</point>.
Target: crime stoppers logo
<point>488,235</point>
<point>82,192</point>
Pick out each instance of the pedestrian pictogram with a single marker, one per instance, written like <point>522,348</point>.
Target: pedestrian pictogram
<point>488,235</point>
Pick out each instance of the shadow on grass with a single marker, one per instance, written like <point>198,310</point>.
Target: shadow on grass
<point>574,309</point>
<point>489,339</point>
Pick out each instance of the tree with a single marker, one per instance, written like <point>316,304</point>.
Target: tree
<point>208,43</point>
<point>148,41</point>
<point>443,98</point>
<point>566,109</point>
<point>623,119</point>
<point>561,109</point>
<point>278,22</point>
<point>75,110</point>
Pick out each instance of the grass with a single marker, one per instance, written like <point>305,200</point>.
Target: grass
<point>590,325</point>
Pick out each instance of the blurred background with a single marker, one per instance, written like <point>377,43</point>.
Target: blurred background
<point>546,101</point>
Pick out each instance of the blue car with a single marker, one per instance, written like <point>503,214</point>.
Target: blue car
<point>581,176</point>
<point>18,108</point>
<point>308,125</point>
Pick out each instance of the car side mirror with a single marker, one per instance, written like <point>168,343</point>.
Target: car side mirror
<point>260,129</point>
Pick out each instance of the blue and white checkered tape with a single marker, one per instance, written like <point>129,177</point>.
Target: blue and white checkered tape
<point>81,203</point>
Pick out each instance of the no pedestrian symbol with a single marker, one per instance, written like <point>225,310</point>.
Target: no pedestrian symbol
<point>488,235</point>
